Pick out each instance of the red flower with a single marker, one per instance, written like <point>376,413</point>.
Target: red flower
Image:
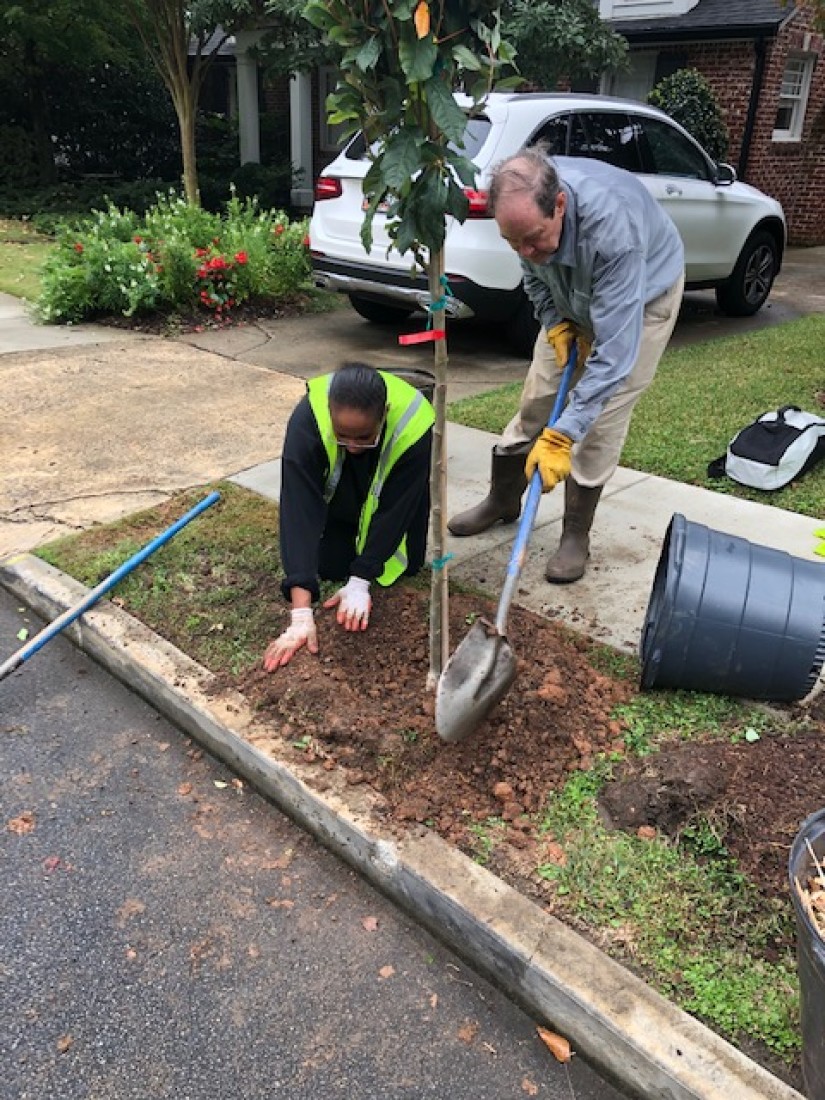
<point>278,230</point>
<point>306,241</point>
<point>201,252</point>
<point>78,247</point>
<point>138,240</point>
<point>241,258</point>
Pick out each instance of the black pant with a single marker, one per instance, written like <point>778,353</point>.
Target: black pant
<point>337,550</point>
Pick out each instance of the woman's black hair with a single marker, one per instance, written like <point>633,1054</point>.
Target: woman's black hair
<point>358,386</point>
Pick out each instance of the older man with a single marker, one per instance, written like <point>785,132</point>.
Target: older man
<point>603,264</point>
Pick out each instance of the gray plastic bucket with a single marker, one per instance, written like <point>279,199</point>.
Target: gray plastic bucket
<point>810,956</point>
<point>422,380</point>
<point>732,617</point>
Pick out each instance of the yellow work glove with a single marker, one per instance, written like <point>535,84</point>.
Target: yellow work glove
<point>551,456</point>
<point>561,336</point>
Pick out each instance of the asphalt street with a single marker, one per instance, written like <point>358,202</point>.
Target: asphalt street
<point>166,932</point>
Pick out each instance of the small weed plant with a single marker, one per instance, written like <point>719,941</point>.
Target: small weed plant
<point>175,258</point>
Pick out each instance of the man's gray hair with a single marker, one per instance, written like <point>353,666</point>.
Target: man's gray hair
<point>530,170</point>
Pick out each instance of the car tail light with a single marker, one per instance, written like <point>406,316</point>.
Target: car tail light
<point>327,187</point>
<point>478,203</point>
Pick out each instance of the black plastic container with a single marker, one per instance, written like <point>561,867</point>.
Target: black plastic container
<point>810,954</point>
<point>733,617</point>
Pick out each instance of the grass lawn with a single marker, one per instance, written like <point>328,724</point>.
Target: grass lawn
<point>22,253</point>
<point>701,396</point>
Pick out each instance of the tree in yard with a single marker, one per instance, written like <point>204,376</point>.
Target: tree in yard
<point>561,40</point>
<point>400,62</point>
<point>40,35</point>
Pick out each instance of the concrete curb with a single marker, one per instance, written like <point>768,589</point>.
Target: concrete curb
<point>650,1047</point>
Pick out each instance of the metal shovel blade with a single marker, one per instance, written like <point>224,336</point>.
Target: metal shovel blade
<point>473,680</point>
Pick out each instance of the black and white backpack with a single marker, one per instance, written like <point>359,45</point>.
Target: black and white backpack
<point>773,450</point>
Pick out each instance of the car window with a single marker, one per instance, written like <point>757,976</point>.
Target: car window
<point>474,137</point>
<point>606,135</point>
<point>554,133</point>
<point>666,152</point>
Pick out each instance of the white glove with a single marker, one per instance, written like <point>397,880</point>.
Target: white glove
<point>354,604</point>
<point>301,632</point>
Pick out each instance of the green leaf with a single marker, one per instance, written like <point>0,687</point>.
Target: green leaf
<point>22,634</point>
<point>401,159</point>
<point>463,168</point>
<point>417,57</point>
<point>465,57</point>
<point>446,113</point>
<point>367,56</point>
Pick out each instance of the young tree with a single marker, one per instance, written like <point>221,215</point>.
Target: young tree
<point>401,61</point>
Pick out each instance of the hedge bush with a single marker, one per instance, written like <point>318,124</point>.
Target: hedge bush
<point>688,98</point>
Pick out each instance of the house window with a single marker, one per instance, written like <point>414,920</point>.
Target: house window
<point>793,98</point>
<point>330,136</point>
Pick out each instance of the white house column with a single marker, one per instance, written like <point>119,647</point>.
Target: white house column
<point>249,125</point>
<point>300,138</point>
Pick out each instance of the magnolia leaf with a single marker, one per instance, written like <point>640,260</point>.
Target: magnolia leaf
<point>557,1044</point>
<point>446,113</point>
<point>417,57</point>
<point>401,159</point>
<point>422,19</point>
<point>463,168</point>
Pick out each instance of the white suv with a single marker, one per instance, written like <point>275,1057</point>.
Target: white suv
<point>734,235</point>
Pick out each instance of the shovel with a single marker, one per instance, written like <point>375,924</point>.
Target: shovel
<point>483,667</point>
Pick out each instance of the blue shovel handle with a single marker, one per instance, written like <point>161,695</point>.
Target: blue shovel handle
<point>91,598</point>
<point>531,507</point>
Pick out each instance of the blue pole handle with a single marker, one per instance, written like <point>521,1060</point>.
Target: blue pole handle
<point>91,598</point>
<point>531,507</point>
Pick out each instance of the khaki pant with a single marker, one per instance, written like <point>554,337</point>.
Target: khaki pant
<point>596,456</point>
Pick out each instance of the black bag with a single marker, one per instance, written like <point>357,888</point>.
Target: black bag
<point>773,450</point>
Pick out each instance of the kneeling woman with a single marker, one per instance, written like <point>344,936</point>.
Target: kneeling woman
<point>355,497</point>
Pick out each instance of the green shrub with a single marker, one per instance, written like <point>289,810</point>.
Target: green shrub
<point>176,257</point>
<point>688,98</point>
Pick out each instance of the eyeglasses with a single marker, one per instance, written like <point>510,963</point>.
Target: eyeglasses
<point>362,444</point>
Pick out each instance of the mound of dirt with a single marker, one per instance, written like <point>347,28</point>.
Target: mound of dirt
<point>362,704</point>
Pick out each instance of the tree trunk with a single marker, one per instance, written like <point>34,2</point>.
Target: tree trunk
<point>439,591</point>
<point>187,112</point>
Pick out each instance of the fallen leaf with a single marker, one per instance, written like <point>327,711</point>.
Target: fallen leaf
<point>22,824</point>
<point>253,951</point>
<point>51,863</point>
<point>163,746</point>
<point>22,634</point>
<point>185,788</point>
<point>280,903</point>
<point>433,1000</point>
<point>131,954</point>
<point>219,783</point>
<point>468,1031</point>
<point>557,1044</point>
<point>132,907</point>
<point>370,924</point>
<point>386,972</point>
<point>237,784</point>
<point>529,1087</point>
<point>63,1043</point>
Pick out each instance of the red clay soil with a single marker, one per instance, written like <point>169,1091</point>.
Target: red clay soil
<point>362,705</point>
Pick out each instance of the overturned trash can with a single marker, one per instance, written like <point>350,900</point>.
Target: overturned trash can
<point>807,849</point>
<point>731,617</point>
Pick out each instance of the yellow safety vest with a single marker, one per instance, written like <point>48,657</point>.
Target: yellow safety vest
<point>409,417</point>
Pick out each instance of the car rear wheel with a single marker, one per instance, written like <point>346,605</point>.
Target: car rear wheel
<point>522,329</point>
<point>378,312</point>
<point>747,289</point>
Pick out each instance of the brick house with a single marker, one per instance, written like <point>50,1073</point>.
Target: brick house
<point>764,61</point>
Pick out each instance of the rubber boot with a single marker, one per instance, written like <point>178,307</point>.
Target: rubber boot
<point>569,561</point>
<point>503,502</point>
